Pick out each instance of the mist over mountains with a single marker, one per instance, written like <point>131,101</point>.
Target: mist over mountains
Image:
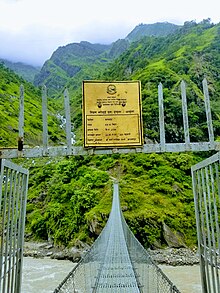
<point>28,71</point>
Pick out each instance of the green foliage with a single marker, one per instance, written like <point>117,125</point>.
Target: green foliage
<point>70,199</point>
<point>155,29</point>
<point>9,108</point>
<point>63,192</point>
<point>70,64</point>
<point>27,72</point>
<point>190,54</point>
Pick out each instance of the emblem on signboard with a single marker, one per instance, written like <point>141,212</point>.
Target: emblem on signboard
<point>111,89</point>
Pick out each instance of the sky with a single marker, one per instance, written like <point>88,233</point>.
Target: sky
<point>31,30</point>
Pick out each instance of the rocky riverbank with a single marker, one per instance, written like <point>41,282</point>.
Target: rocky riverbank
<point>44,249</point>
<point>175,256</point>
<point>168,256</point>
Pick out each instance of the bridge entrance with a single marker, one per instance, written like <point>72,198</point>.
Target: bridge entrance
<point>13,191</point>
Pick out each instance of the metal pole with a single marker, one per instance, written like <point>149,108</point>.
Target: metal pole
<point>161,116</point>
<point>1,220</point>
<point>185,115</point>
<point>44,116</point>
<point>22,225</point>
<point>208,112</point>
<point>68,122</point>
<point>196,184</point>
<point>21,120</point>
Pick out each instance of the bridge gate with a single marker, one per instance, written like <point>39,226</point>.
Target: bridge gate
<point>206,189</point>
<point>13,196</point>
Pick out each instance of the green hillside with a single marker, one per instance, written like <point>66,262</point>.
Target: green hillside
<point>191,54</point>
<point>9,109</point>
<point>66,62</point>
<point>77,61</point>
<point>158,29</point>
<point>70,198</point>
<point>27,72</point>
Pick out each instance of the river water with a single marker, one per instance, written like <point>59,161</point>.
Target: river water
<point>43,275</point>
<point>186,278</point>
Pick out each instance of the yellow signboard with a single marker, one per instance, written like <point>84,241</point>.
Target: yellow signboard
<point>112,114</point>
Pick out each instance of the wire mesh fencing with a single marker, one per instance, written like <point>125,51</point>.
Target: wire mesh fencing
<point>206,189</point>
<point>116,262</point>
<point>13,196</point>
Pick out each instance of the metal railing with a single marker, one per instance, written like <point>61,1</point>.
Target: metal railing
<point>13,197</point>
<point>70,149</point>
<point>206,189</point>
<point>116,262</point>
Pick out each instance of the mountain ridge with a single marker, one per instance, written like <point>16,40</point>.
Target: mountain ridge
<point>70,59</point>
<point>157,29</point>
<point>26,71</point>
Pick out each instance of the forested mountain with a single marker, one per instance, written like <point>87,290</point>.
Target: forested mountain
<point>84,60</point>
<point>70,199</point>
<point>159,29</point>
<point>190,54</point>
<point>9,109</point>
<point>27,72</point>
<point>68,62</point>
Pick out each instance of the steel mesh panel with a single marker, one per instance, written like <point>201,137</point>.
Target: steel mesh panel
<point>116,262</point>
<point>206,189</point>
<point>13,196</point>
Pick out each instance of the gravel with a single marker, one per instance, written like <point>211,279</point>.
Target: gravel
<point>168,256</point>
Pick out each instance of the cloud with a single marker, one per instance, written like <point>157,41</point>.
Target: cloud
<point>32,46</point>
<point>30,30</point>
<point>35,44</point>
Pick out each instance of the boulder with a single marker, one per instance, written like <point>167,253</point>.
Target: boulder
<point>173,239</point>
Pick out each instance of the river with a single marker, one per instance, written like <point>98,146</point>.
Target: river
<point>186,278</point>
<point>43,275</point>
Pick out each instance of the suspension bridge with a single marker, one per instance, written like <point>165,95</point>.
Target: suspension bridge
<point>116,262</point>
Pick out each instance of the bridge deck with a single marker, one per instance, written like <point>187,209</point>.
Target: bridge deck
<point>116,263</point>
<point>117,270</point>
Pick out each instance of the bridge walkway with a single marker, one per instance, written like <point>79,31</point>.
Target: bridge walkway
<point>116,263</point>
<point>117,270</point>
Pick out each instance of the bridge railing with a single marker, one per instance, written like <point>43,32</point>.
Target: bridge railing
<point>70,149</point>
<point>116,262</point>
<point>206,189</point>
<point>151,277</point>
<point>13,197</point>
